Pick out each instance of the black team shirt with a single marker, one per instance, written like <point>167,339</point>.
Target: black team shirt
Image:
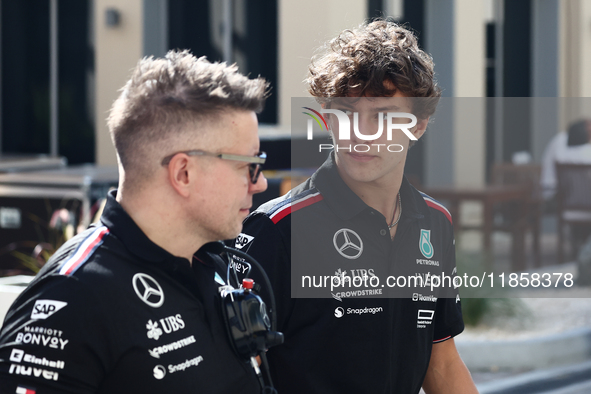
<point>355,339</point>
<point>112,312</point>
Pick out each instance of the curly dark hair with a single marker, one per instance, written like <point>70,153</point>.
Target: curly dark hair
<point>359,61</point>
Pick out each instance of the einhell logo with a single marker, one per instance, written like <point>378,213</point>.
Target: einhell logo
<point>344,134</point>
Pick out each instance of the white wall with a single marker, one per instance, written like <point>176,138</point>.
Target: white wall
<point>303,27</point>
<point>118,50</point>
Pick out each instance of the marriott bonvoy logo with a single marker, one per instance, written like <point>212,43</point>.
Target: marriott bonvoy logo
<point>344,134</point>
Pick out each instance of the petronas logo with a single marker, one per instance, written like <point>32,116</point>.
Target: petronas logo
<point>425,244</point>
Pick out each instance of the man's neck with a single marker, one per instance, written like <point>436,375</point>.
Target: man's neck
<point>381,194</point>
<point>159,223</point>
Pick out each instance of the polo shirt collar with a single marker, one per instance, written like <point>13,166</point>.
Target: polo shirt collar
<point>122,226</point>
<point>339,197</point>
<point>346,204</point>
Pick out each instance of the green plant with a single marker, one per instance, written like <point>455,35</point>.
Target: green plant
<point>29,256</point>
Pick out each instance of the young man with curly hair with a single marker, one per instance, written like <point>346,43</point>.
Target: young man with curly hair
<point>358,217</point>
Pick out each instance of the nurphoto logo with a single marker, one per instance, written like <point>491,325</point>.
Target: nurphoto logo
<point>344,134</point>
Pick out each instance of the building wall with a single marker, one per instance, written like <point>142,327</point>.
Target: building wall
<point>575,60</point>
<point>469,84</point>
<point>455,36</point>
<point>303,27</point>
<point>117,50</point>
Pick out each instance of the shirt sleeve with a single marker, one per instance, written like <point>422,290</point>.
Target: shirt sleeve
<point>448,311</point>
<point>270,246</point>
<point>54,340</point>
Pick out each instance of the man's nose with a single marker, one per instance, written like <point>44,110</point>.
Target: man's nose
<point>367,127</point>
<point>260,186</point>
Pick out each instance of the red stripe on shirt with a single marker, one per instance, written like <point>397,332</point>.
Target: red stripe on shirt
<point>439,208</point>
<point>292,208</point>
<point>87,251</point>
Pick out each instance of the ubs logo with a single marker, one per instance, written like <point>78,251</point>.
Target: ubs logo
<point>148,290</point>
<point>348,243</point>
<point>169,324</point>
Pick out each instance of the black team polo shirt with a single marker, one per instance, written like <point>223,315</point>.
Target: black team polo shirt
<point>359,339</point>
<point>112,312</point>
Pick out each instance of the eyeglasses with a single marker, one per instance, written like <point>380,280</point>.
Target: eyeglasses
<point>254,168</point>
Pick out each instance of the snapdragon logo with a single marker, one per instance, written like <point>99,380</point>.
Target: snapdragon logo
<point>340,312</point>
<point>344,122</point>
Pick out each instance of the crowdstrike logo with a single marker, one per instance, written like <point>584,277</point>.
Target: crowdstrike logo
<point>348,243</point>
<point>344,134</point>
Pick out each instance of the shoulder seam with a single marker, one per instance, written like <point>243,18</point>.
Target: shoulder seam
<point>433,203</point>
<point>294,204</point>
<point>84,250</point>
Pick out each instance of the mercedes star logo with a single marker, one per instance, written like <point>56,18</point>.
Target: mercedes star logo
<point>348,243</point>
<point>148,290</point>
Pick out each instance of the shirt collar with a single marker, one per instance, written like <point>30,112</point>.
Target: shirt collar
<point>122,226</point>
<point>346,204</point>
<point>339,197</point>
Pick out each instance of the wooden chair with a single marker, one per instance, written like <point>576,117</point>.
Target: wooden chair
<point>573,203</point>
<point>527,175</point>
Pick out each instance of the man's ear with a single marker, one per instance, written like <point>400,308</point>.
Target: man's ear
<point>420,127</point>
<point>180,173</point>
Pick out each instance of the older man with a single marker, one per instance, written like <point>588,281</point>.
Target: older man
<point>130,305</point>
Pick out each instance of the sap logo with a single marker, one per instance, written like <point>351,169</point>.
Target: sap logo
<point>28,371</point>
<point>45,308</point>
<point>242,240</point>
